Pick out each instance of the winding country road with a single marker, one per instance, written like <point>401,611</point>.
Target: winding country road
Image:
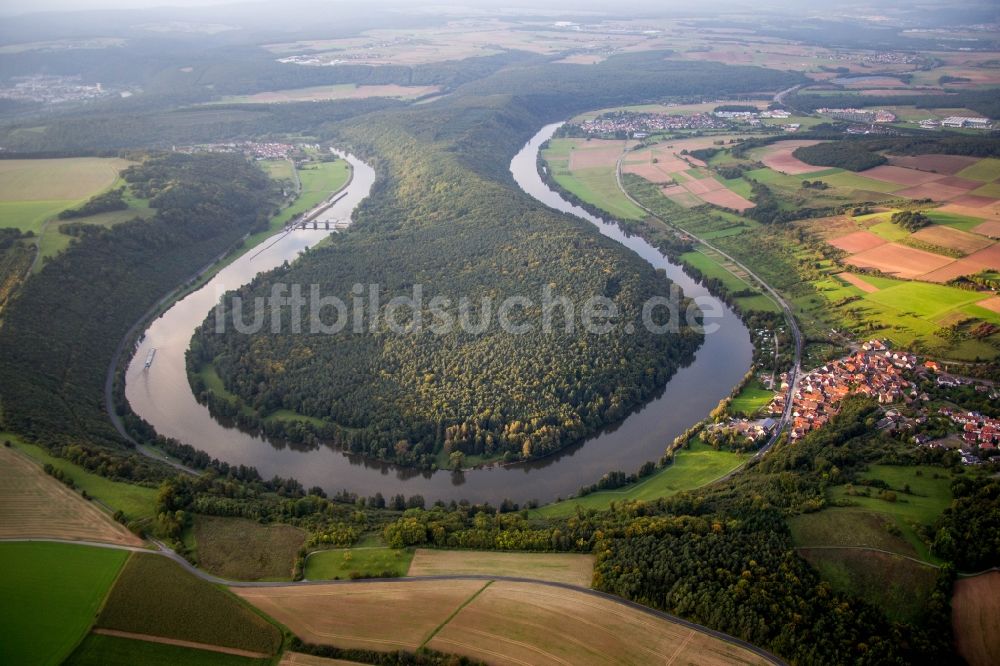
<point>793,373</point>
<point>165,551</point>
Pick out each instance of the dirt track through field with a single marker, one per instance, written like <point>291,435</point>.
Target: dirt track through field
<point>180,643</point>
<point>851,278</point>
<point>34,504</point>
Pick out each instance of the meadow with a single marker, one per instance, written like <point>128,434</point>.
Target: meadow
<point>929,492</point>
<point>241,549</point>
<point>32,191</point>
<point>362,562</point>
<point>692,468</point>
<point>35,504</point>
<point>155,596</point>
<point>751,399</point>
<point>572,568</point>
<point>51,593</point>
<point>101,650</point>
<point>898,586</point>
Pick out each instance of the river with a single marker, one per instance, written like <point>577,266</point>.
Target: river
<point>162,396</point>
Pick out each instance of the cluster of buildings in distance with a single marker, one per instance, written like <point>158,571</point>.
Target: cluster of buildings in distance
<point>55,89</point>
<point>860,115</point>
<point>977,430</point>
<point>260,150</point>
<point>639,125</point>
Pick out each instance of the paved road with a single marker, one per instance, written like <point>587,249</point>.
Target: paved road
<point>162,549</point>
<point>793,373</point>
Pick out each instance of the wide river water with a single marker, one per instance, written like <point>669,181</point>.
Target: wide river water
<point>162,396</point>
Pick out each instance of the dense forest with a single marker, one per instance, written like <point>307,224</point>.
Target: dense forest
<point>85,299</point>
<point>848,155</point>
<point>407,397</point>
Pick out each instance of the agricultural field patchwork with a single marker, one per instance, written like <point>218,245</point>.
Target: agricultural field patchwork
<point>376,616</point>
<point>35,504</point>
<point>51,593</point>
<point>136,502</point>
<point>499,622</point>
<point>155,596</point>
<point>517,623</point>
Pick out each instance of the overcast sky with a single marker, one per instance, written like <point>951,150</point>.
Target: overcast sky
<point>29,6</point>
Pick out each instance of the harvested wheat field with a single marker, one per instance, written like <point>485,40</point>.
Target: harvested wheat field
<point>899,260</point>
<point>974,201</point>
<point>936,191</point>
<point>374,616</point>
<point>859,241</point>
<point>987,258</point>
<point>779,157</point>
<point>594,153</point>
<point>851,278</point>
<point>954,239</point>
<point>523,623</point>
<point>497,621</point>
<point>951,271</point>
<point>960,183</point>
<point>901,176</point>
<point>975,616</point>
<point>947,165</point>
<point>34,504</point>
<point>991,229</point>
<point>992,304</point>
<point>572,568</point>
<point>726,198</point>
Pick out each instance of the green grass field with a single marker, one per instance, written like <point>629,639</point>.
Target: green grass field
<point>988,190</point>
<point>319,181</point>
<point>51,593</point>
<point>960,222</point>
<point>137,502</point>
<point>889,231</point>
<point>32,191</point>
<point>692,468</point>
<point>985,171</point>
<point>849,526</point>
<point>847,179</point>
<point>363,562</point>
<point>595,185</point>
<point>751,399</point>
<point>930,492</point>
<point>155,596</point>
<point>99,650</point>
<point>923,299</point>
